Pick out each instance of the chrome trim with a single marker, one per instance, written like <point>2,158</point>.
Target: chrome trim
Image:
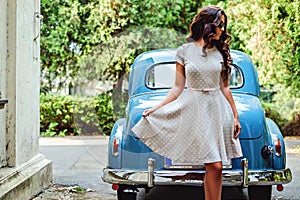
<point>186,167</point>
<point>244,166</point>
<point>195,177</point>
<point>151,166</point>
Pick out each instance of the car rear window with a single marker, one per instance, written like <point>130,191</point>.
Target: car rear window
<point>162,76</point>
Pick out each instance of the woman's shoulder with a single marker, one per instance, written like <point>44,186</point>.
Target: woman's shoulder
<point>182,53</point>
<point>186,46</point>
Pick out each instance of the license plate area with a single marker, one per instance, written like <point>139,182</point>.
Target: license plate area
<point>168,164</point>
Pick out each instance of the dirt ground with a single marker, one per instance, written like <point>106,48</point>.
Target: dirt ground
<point>60,192</point>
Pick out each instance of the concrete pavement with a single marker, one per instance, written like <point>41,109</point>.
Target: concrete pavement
<point>79,161</point>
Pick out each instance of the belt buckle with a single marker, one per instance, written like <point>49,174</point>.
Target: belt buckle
<point>205,90</point>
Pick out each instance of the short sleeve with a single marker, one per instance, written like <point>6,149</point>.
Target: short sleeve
<point>179,56</point>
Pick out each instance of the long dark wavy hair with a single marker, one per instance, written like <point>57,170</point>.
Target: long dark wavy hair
<point>204,25</point>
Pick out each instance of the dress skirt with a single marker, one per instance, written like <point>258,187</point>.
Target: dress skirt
<point>197,128</point>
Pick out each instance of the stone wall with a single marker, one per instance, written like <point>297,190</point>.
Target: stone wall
<point>22,82</point>
<point>24,171</point>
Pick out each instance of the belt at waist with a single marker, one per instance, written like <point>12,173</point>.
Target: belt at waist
<point>204,89</point>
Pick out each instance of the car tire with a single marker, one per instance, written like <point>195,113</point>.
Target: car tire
<point>260,192</point>
<point>126,193</point>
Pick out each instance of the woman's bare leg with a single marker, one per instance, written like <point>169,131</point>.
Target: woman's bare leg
<point>213,181</point>
<point>206,192</point>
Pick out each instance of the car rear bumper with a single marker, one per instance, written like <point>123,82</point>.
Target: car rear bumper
<point>243,177</point>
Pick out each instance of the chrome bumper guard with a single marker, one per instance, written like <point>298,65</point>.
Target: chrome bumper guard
<point>150,178</point>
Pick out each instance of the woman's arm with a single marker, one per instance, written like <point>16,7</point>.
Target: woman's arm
<point>175,91</point>
<point>227,93</point>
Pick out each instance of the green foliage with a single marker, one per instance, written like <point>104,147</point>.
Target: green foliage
<point>269,31</point>
<point>74,34</point>
<point>78,189</point>
<point>62,115</point>
<point>75,31</point>
<point>59,55</point>
<point>104,110</point>
<point>112,60</point>
<point>272,113</point>
<point>284,109</point>
<point>99,39</point>
<point>174,15</point>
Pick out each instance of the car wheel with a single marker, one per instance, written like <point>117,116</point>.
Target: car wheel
<point>260,192</point>
<point>124,193</point>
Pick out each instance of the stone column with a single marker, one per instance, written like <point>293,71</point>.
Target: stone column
<point>2,81</point>
<point>24,171</point>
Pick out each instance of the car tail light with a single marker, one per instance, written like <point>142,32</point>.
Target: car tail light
<point>280,187</point>
<point>115,186</point>
<point>277,143</point>
<point>115,147</point>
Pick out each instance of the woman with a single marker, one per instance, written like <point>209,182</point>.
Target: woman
<point>199,125</point>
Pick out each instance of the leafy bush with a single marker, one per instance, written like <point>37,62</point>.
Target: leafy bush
<point>272,113</point>
<point>292,128</point>
<point>269,32</point>
<point>284,109</point>
<point>74,115</point>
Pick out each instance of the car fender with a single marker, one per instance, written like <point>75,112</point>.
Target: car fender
<point>279,160</point>
<point>115,144</point>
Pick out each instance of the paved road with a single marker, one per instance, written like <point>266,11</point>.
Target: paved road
<point>79,161</point>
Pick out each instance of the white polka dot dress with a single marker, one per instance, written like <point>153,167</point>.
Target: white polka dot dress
<point>198,126</point>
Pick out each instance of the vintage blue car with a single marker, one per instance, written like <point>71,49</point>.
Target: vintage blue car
<point>132,165</point>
